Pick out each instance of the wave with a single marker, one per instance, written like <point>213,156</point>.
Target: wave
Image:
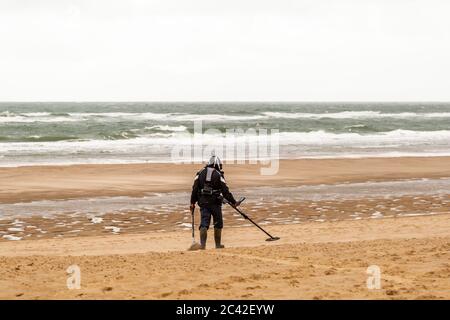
<point>8,116</point>
<point>397,137</point>
<point>355,115</point>
<point>167,128</point>
<point>168,136</point>
<point>168,116</point>
<point>32,117</point>
<point>37,138</point>
<point>75,117</point>
<point>369,139</point>
<point>157,147</point>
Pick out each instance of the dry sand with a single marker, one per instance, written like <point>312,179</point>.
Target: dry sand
<point>313,260</point>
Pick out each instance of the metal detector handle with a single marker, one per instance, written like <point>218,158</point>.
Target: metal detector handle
<point>238,203</point>
<point>225,201</point>
<point>235,207</point>
<point>192,213</point>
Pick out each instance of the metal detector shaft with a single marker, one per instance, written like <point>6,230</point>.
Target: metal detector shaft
<point>193,235</point>
<point>247,217</point>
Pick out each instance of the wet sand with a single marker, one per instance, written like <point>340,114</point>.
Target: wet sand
<point>177,217</point>
<point>335,217</point>
<point>81,181</point>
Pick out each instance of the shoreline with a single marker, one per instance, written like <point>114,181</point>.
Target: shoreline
<point>170,216</point>
<point>170,162</point>
<point>81,201</point>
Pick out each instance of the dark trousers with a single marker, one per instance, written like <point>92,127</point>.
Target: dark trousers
<point>211,210</point>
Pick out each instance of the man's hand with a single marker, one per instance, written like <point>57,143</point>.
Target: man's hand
<point>192,206</point>
<point>237,204</point>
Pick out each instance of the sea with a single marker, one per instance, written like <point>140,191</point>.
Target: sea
<point>53,133</point>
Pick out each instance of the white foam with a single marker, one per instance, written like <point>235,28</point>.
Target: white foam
<point>176,116</point>
<point>97,220</point>
<point>157,148</point>
<point>413,214</point>
<point>356,115</point>
<point>15,229</point>
<point>75,231</point>
<point>11,237</point>
<point>7,116</point>
<point>393,138</point>
<point>377,214</point>
<point>113,229</point>
<point>187,225</point>
<point>168,128</point>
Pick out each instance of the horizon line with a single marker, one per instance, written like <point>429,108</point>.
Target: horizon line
<point>224,101</point>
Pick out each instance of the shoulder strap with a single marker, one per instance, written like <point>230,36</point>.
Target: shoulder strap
<point>209,173</point>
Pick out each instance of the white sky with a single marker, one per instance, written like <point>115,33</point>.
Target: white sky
<point>303,50</point>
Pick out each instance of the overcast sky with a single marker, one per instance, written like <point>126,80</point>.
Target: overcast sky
<point>299,50</point>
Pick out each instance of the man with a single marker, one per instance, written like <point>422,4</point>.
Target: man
<point>208,189</point>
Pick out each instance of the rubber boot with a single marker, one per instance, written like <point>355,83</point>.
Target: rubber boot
<point>218,238</point>
<point>203,237</point>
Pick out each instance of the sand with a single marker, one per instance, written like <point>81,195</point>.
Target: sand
<point>313,259</point>
<point>62,182</point>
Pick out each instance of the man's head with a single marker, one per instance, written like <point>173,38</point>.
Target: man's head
<point>215,162</point>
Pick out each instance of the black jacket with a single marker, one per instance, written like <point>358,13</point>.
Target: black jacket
<point>217,184</point>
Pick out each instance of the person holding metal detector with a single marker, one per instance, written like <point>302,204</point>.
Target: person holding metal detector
<point>210,191</point>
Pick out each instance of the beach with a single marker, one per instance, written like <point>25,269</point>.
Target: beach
<point>312,261</point>
<point>329,124</point>
<point>335,217</point>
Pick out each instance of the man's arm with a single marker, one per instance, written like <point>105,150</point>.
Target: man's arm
<point>194,194</point>
<point>195,189</point>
